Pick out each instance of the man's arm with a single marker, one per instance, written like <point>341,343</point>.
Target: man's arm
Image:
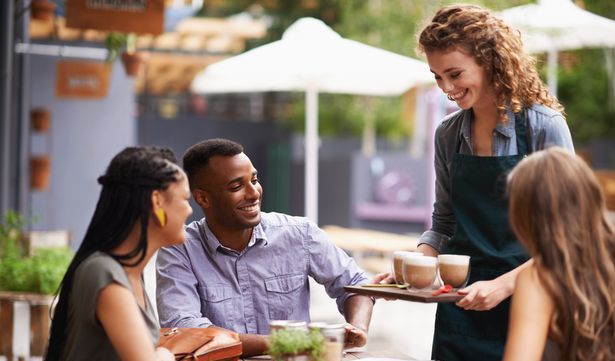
<point>253,345</point>
<point>358,313</point>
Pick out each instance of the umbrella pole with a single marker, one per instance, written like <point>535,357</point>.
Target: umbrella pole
<point>311,154</point>
<point>552,71</point>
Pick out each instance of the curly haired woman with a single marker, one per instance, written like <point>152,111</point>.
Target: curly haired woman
<point>506,113</point>
<point>563,307</point>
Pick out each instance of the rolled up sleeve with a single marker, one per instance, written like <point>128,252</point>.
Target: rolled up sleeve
<point>443,218</point>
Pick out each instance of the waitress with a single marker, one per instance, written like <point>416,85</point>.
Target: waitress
<point>506,113</point>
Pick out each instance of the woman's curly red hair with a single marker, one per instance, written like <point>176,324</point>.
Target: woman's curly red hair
<point>496,47</point>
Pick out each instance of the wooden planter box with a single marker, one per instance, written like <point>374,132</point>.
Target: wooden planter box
<point>39,321</point>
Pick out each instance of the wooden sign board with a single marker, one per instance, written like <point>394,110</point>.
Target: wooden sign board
<point>127,16</point>
<point>81,79</point>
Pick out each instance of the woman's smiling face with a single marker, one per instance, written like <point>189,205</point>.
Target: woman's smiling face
<point>460,78</point>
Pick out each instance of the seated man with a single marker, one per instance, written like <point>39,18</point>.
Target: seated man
<point>241,268</point>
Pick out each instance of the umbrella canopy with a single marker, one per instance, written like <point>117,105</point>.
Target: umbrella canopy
<point>313,58</point>
<point>555,25</point>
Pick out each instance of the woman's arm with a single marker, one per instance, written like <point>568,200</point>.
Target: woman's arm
<point>530,316</point>
<point>121,318</point>
<point>485,295</point>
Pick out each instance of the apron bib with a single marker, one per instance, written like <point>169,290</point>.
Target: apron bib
<point>478,194</point>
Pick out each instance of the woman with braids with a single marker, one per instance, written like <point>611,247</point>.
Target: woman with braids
<point>564,303</point>
<point>506,113</point>
<point>103,312</point>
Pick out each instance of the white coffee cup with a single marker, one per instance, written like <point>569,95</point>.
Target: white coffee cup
<point>419,272</point>
<point>454,269</point>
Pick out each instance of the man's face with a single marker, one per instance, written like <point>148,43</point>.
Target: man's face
<point>232,192</point>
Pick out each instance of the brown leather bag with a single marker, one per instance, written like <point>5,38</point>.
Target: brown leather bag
<point>202,344</point>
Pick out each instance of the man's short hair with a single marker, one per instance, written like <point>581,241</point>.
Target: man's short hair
<point>197,157</point>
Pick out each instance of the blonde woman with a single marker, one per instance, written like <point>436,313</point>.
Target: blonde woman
<point>563,307</point>
<point>506,113</point>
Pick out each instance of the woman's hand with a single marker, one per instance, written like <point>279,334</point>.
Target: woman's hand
<point>163,354</point>
<point>484,295</point>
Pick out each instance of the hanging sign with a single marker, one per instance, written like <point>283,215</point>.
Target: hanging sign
<point>127,16</point>
<point>81,79</point>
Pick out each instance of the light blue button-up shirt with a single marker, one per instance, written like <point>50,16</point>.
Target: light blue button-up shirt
<point>546,127</point>
<point>201,282</point>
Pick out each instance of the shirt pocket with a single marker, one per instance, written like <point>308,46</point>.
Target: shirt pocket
<point>217,305</point>
<point>283,295</point>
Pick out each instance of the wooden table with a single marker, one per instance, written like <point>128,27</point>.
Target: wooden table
<point>352,356</point>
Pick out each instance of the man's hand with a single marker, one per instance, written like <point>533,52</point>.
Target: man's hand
<point>355,337</point>
<point>484,295</point>
<point>386,277</point>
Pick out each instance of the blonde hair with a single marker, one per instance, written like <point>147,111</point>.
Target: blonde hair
<point>496,47</point>
<point>558,212</point>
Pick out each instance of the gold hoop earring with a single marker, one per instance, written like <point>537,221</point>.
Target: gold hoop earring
<point>161,215</point>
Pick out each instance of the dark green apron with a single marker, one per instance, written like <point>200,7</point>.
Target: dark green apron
<point>478,194</point>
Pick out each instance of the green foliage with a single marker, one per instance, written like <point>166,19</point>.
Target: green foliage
<point>19,272</point>
<point>116,42</point>
<point>285,342</point>
<point>583,90</point>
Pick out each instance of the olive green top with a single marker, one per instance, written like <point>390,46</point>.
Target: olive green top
<point>87,340</point>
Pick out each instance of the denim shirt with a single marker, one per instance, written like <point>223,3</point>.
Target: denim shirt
<point>547,128</point>
<point>201,282</point>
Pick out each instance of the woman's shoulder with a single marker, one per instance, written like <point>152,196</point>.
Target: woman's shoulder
<point>451,124</point>
<point>530,284</point>
<point>100,268</point>
<point>548,128</point>
<point>541,116</point>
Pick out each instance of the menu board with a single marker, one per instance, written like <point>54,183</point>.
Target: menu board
<point>127,16</point>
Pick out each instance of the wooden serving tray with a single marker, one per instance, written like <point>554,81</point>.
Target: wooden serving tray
<point>424,296</point>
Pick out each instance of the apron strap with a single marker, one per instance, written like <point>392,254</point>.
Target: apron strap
<point>523,135</point>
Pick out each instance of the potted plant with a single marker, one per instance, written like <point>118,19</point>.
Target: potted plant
<point>41,119</point>
<point>124,44</point>
<point>296,345</point>
<point>40,170</point>
<point>42,9</point>
<point>28,275</point>
<point>23,269</point>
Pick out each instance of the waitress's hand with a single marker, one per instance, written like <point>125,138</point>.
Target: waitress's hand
<point>163,354</point>
<point>484,295</point>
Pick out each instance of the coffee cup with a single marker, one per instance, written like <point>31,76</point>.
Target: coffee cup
<point>454,269</point>
<point>419,272</point>
<point>398,259</point>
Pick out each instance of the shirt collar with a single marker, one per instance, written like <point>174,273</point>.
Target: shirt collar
<point>507,129</point>
<point>213,244</point>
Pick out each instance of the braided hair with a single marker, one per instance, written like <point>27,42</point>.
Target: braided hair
<point>125,199</point>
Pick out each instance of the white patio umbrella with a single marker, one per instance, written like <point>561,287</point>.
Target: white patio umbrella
<point>555,25</point>
<point>311,57</point>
